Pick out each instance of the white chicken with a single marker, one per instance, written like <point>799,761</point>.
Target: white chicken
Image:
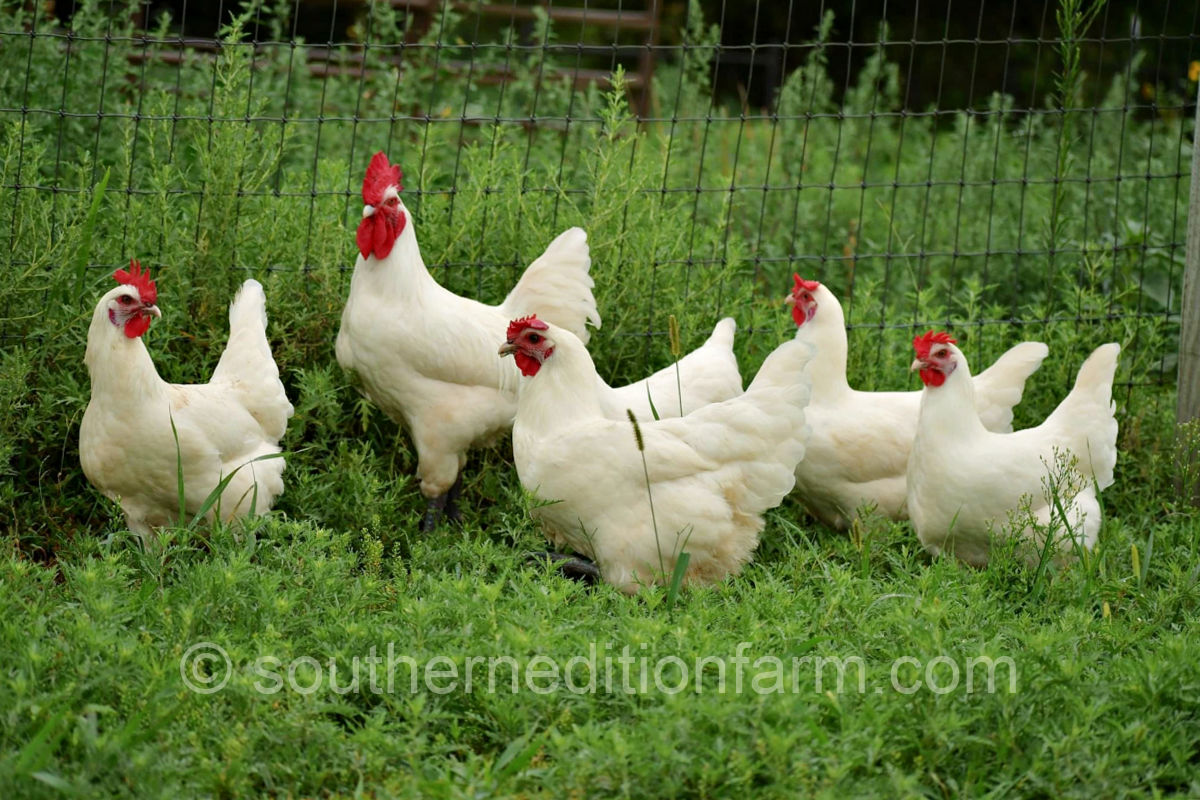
<point>708,374</point>
<point>711,474</point>
<point>126,445</point>
<point>427,357</point>
<point>858,452</point>
<point>967,485</point>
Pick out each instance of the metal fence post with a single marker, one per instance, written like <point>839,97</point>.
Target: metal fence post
<point>1188,403</point>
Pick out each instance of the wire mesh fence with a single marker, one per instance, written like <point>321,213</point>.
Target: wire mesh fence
<point>1006,170</point>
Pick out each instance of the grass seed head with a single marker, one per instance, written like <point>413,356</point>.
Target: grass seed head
<point>637,430</point>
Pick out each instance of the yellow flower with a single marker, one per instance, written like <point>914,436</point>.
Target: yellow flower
<point>1194,71</point>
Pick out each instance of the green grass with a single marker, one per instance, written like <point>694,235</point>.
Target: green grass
<point>93,627</point>
<point>1105,702</point>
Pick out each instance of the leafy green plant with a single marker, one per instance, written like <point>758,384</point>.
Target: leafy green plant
<point>1187,461</point>
<point>912,219</point>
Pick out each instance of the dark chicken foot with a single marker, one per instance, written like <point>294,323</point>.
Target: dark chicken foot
<point>452,512</point>
<point>443,507</point>
<point>575,567</point>
<point>433,513</point>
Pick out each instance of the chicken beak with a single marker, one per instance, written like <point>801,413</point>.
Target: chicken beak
<point>368,210</point>
<point>789,301</point>
<point>916,365</point>
<point>508,348</point>
<point>152,310</point>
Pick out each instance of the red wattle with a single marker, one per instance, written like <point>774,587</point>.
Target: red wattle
<point>363,237</point>
<point>376,235</point>
<point>932,377</point>
<point>383,240</point>
<point>527,364</point>
<point>137,325</point>
<point>803,313</point>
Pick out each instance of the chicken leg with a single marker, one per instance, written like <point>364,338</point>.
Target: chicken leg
<point>575,567</point>
<point>443,506</point>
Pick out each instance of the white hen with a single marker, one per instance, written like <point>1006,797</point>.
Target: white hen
<point>712,474</point>
<point>126,445</point>
<point>967,484</point>
<point>858,452</point>
<point>426,356</point>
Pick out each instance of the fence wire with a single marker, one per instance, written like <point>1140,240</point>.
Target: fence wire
<point>930,180</point>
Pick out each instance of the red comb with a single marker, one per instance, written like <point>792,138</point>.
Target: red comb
<point>517,325</point>
<point>380,175</point>
<point>800,283</point>
<point>924,343</point>
<point>139,279</point>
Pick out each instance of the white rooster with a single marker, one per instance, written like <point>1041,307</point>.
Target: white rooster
<point>427,357</point>
<point>711,474</point>
<point>126,445</point>
<point>967,484</point>
<point>858,452</point>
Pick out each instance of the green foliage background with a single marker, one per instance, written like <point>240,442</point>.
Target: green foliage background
<point>1001,226</point>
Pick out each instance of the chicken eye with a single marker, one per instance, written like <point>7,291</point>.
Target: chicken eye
<point>534,338</point>
<point>125,299</point>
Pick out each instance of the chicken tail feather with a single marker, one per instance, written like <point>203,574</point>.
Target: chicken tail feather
<point>1003,383</point>
<point>1089,408</point>
<point>787,365</point>
<point>557,287</point>
<point>247,361</point>
<point>722,335</point>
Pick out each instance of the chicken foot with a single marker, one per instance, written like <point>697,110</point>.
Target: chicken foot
<point>575,567</point>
